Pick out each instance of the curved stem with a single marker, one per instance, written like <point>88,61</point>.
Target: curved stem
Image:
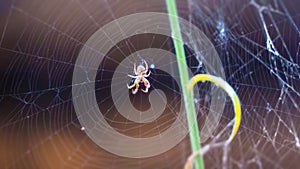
<point>229,90</point>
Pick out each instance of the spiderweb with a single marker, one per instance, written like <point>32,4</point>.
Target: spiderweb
<point>258,42</point>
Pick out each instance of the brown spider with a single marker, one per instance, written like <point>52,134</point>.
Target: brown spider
<point>140,77</point>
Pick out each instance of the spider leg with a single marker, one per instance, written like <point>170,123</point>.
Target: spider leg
<point>148,74</point>
<point>132,86</point>
<point>132,76</point>
<point>134,69</point>
<point>147,67</point>
<point>146,90</point>
<point>136,88</point>
<point>147,84</point>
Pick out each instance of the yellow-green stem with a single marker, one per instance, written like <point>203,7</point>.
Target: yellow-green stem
<point>184,79</point>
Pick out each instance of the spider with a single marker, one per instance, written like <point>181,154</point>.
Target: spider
<point>140,77</point>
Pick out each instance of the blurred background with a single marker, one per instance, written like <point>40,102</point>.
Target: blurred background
<point>258,42</point>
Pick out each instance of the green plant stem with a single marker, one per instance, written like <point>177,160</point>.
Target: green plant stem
<point>184,80</point>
